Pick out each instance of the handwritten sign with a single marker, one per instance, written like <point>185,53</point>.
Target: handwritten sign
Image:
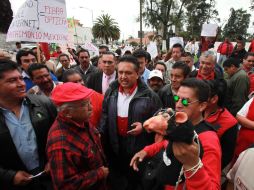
<point>176,40</point>
<point>152,49</point>
<point>40,21</point>
<point>209,30</point>
<point>93,50</point>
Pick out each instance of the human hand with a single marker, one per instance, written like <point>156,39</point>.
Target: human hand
<point>105,171</point>
<point>138,157</point>
<point>47,168</point>
<point>21,178</point>
<point>186,154</point>
<point>137,129</point>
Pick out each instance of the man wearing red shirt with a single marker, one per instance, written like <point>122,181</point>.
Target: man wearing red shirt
<point>225,49</point>
<point>192,99</point>
<point>128,102</point>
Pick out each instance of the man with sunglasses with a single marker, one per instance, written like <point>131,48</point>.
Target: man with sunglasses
<point>200,173</point>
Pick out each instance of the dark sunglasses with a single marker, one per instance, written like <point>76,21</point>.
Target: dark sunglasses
<point>184,101</point>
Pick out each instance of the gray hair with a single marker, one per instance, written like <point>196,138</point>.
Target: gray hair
<point>65,106</point>
<point>207,54</point>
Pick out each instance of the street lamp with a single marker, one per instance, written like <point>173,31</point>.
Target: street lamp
<point>81,7</point>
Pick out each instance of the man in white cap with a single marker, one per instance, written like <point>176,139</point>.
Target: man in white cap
<point>155,80</point>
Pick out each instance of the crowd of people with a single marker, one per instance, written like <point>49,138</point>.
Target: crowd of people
<point>82,126</point>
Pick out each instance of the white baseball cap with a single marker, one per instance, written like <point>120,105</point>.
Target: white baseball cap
<point>155,73</point>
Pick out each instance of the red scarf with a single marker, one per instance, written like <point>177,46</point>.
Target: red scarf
<point>202,77</point>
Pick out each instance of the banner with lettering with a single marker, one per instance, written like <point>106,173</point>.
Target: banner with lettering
<point>40,21</point>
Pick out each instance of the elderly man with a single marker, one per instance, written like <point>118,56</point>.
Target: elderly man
<point>72,75</point>
<point>155,80</point>
<point>85,68</point>
<point>100,81</point>
<point>42,79</point>
<point>24,124</point>
<point>128,102</point>
<point>73,148</point>
<point>208,69</point>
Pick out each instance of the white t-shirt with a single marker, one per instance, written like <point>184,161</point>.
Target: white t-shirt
<point>243,112</point>
<point>242,173</point>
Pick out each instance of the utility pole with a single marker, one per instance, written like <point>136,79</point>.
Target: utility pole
<point>141,32</point>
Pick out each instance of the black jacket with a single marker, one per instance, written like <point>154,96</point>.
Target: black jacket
<point>92,69</point>
<point>95,81</point>
<point>167,97</point>
<point>42,114</point>
<point>143,105</point>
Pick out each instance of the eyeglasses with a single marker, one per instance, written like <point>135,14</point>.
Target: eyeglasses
<point>184,101</point>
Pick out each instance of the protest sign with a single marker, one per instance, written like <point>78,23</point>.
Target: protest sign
<point>209,30</point>
<point>93,50</point>
<point>152,49</point>
<point>40,21</point>
<point>176,40</point>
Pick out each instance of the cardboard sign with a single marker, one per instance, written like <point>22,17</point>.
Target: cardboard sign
<point>152,49</point>
<point>176,40</point>
<point>40,21</point>
<point>209,30</point>
<point>93,50</point>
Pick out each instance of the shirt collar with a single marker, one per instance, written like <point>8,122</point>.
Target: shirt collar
<point>111,76</point>
<point>131,90</point>
<point>25,75</point>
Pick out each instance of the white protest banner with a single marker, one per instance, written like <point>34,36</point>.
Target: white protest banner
<point>152,49</point>
<point>40,21</point>
<point>209,30</point>
<point>175,40</point>
<point>91,48</point>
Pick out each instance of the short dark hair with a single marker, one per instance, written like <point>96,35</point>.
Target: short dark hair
<point>140,53</point>
<point>248,54</point>
<point>231,61</point>
<point>201,88</point>
<point>36,66</point>
<point>109,53</point>
<point>22,53</point>
<point>130,59</point>
<point>119,52</point>
<point>104,47</point>
<point>177,45</point>
<point>218,87</point>
<point>62,55</point>
<point>184,67</point>
<point>161,63</point>
<point>18,43</point>
<point>7,65</point>
<point>83,50</point>
<point>68,73</point>
<point>187,54</point>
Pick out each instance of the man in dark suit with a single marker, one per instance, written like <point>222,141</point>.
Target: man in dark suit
<point>24,124</point>
<point>85,68</point>
<point>64,59</point>
<point>101,80</point>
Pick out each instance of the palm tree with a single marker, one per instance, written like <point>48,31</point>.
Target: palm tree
<point>5,15</point>
<point>106,28</point>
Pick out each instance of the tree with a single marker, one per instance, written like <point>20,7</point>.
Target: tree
<point>106,28</point>
<point>237,24</point>
<point>163,14</point>
<point>252,4</point>
<point>199,12</point>
<point>5,15</point>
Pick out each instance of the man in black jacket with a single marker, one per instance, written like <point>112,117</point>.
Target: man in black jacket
<point>127,104</point>
<point>24,124</point>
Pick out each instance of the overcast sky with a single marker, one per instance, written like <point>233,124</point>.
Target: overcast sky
<point>125,12</point>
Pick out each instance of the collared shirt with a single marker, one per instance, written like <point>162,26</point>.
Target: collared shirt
<point>145,75</point>
<point>85,71</point>
<point>123,102</point>
<point>106,80</point>
<point>75,155</point>
<point>36,89</point>
<point>23,136</point>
